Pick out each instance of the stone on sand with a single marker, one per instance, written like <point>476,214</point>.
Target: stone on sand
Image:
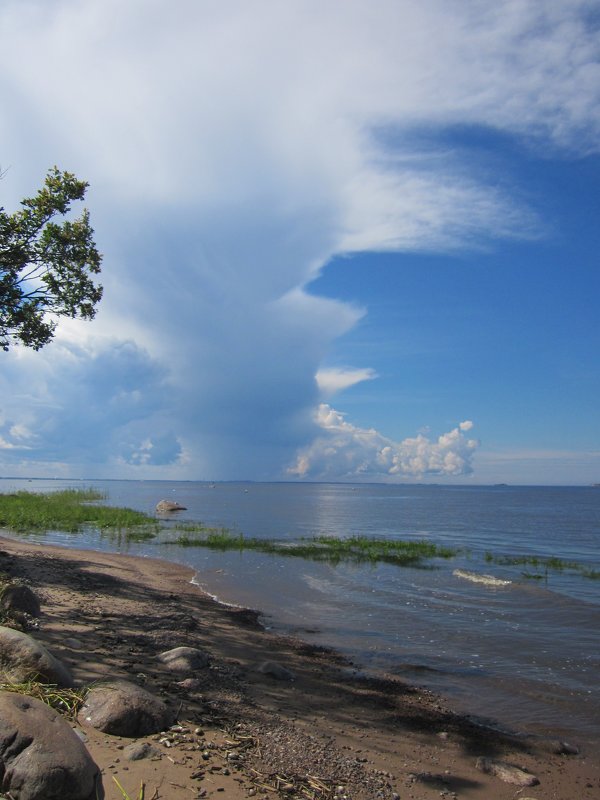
<point>41,758</point>
<point>23,658</point>
<point>184,659</point>
<point>17,597</point>
<point>275,670</point>
<point>121,708</point>
<point>506,772</point>
<point>140,750</point>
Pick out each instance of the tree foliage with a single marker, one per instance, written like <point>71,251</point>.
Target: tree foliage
<point>46,267</point>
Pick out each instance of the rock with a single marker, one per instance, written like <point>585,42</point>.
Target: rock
<point>276,670</point>
<point>189,684</point>
<point>22,658</point>
<point>74,644</point>
<point>165,506</point>
<point>184,659</point>
<point>41,758</point>
<point>124,709</point>
<point>506,772</point>
<point>560,748</point>
<point>17,597</point>
<point>139,750</point>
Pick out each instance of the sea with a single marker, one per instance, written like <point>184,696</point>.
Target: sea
<point>514,645</point>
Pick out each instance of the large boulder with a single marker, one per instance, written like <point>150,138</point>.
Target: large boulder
<point>184,659</point>
<point>41,757</point>
<point>124,709</point>
<point>22,658</point>
<point>165,506</point>
<point>16,597</point>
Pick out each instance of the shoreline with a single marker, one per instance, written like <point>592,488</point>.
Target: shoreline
<point>373,737</point>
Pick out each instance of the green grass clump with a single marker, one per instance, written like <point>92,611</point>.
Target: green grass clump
<point>543,562</point>
<point>65,701</point>
<point>358,549</point>
<point>71,510</point>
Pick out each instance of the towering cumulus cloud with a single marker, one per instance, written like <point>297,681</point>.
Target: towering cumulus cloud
<point>233,149</point>
<point>344,451</point>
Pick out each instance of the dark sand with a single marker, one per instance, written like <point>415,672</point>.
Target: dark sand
<point>327,733</point>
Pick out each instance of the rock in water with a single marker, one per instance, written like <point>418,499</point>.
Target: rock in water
<point>168,505</point>
<point>22,658</point>
<point>124,709</point>
<point>41,758</point>
<point>506,772</point>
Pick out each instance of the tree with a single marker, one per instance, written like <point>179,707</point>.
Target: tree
<point>46,267</point>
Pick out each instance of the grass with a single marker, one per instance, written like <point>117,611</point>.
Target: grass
<point>66,701</point>
<point>357,549</point>
<point>543,562</point>
<point>126,796</point>
<point>71,510</point>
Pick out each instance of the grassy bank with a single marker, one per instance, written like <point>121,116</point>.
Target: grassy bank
<point>71,510</point>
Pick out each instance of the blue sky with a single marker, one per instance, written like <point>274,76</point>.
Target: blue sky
<point>341,241</point>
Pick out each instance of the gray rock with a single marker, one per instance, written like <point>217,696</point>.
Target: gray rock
<point>189,684</point>
<point>17,597</point>
<point>506,772</point>
<point>560,748</point>
<point>74,644</point>
<point>139,750</point>
<point>275,670</point>
<point>165,506</point>
<point>184,659</point>
<point>22,658</point>
<point>124,709</point>
<point>41,758</point>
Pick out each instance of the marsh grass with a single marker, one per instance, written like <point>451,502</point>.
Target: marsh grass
<point>71,510</point>
<point>546,563</point>
<point>357,549</point>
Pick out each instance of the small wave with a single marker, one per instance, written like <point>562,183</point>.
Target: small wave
<point>476,577</point>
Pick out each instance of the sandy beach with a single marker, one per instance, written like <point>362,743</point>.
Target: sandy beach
<point>323,730</point>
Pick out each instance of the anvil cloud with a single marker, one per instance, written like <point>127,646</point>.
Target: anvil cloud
<point>233,150</point>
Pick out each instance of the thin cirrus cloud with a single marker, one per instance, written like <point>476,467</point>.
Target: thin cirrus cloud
<point>232,151</point>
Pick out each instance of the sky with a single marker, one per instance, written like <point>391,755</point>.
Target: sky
<point>342,241</point>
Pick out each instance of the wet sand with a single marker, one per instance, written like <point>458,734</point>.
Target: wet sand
<point>328,732</point>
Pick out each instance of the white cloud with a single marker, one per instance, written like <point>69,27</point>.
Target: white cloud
<point>343,450</point>
<point>335,379</point>
<point>233,150</point>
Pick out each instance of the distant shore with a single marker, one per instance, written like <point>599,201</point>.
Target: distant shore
<point>109,615</point>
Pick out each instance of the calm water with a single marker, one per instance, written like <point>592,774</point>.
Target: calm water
<point>525,653</point>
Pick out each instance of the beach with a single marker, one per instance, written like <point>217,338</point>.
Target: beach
<point>319,729</point>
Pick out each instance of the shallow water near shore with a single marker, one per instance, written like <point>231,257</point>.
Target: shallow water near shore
<point>520,650</point>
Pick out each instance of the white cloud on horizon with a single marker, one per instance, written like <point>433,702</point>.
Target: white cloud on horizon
<point>232,151</point>
<point>345,451</point>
